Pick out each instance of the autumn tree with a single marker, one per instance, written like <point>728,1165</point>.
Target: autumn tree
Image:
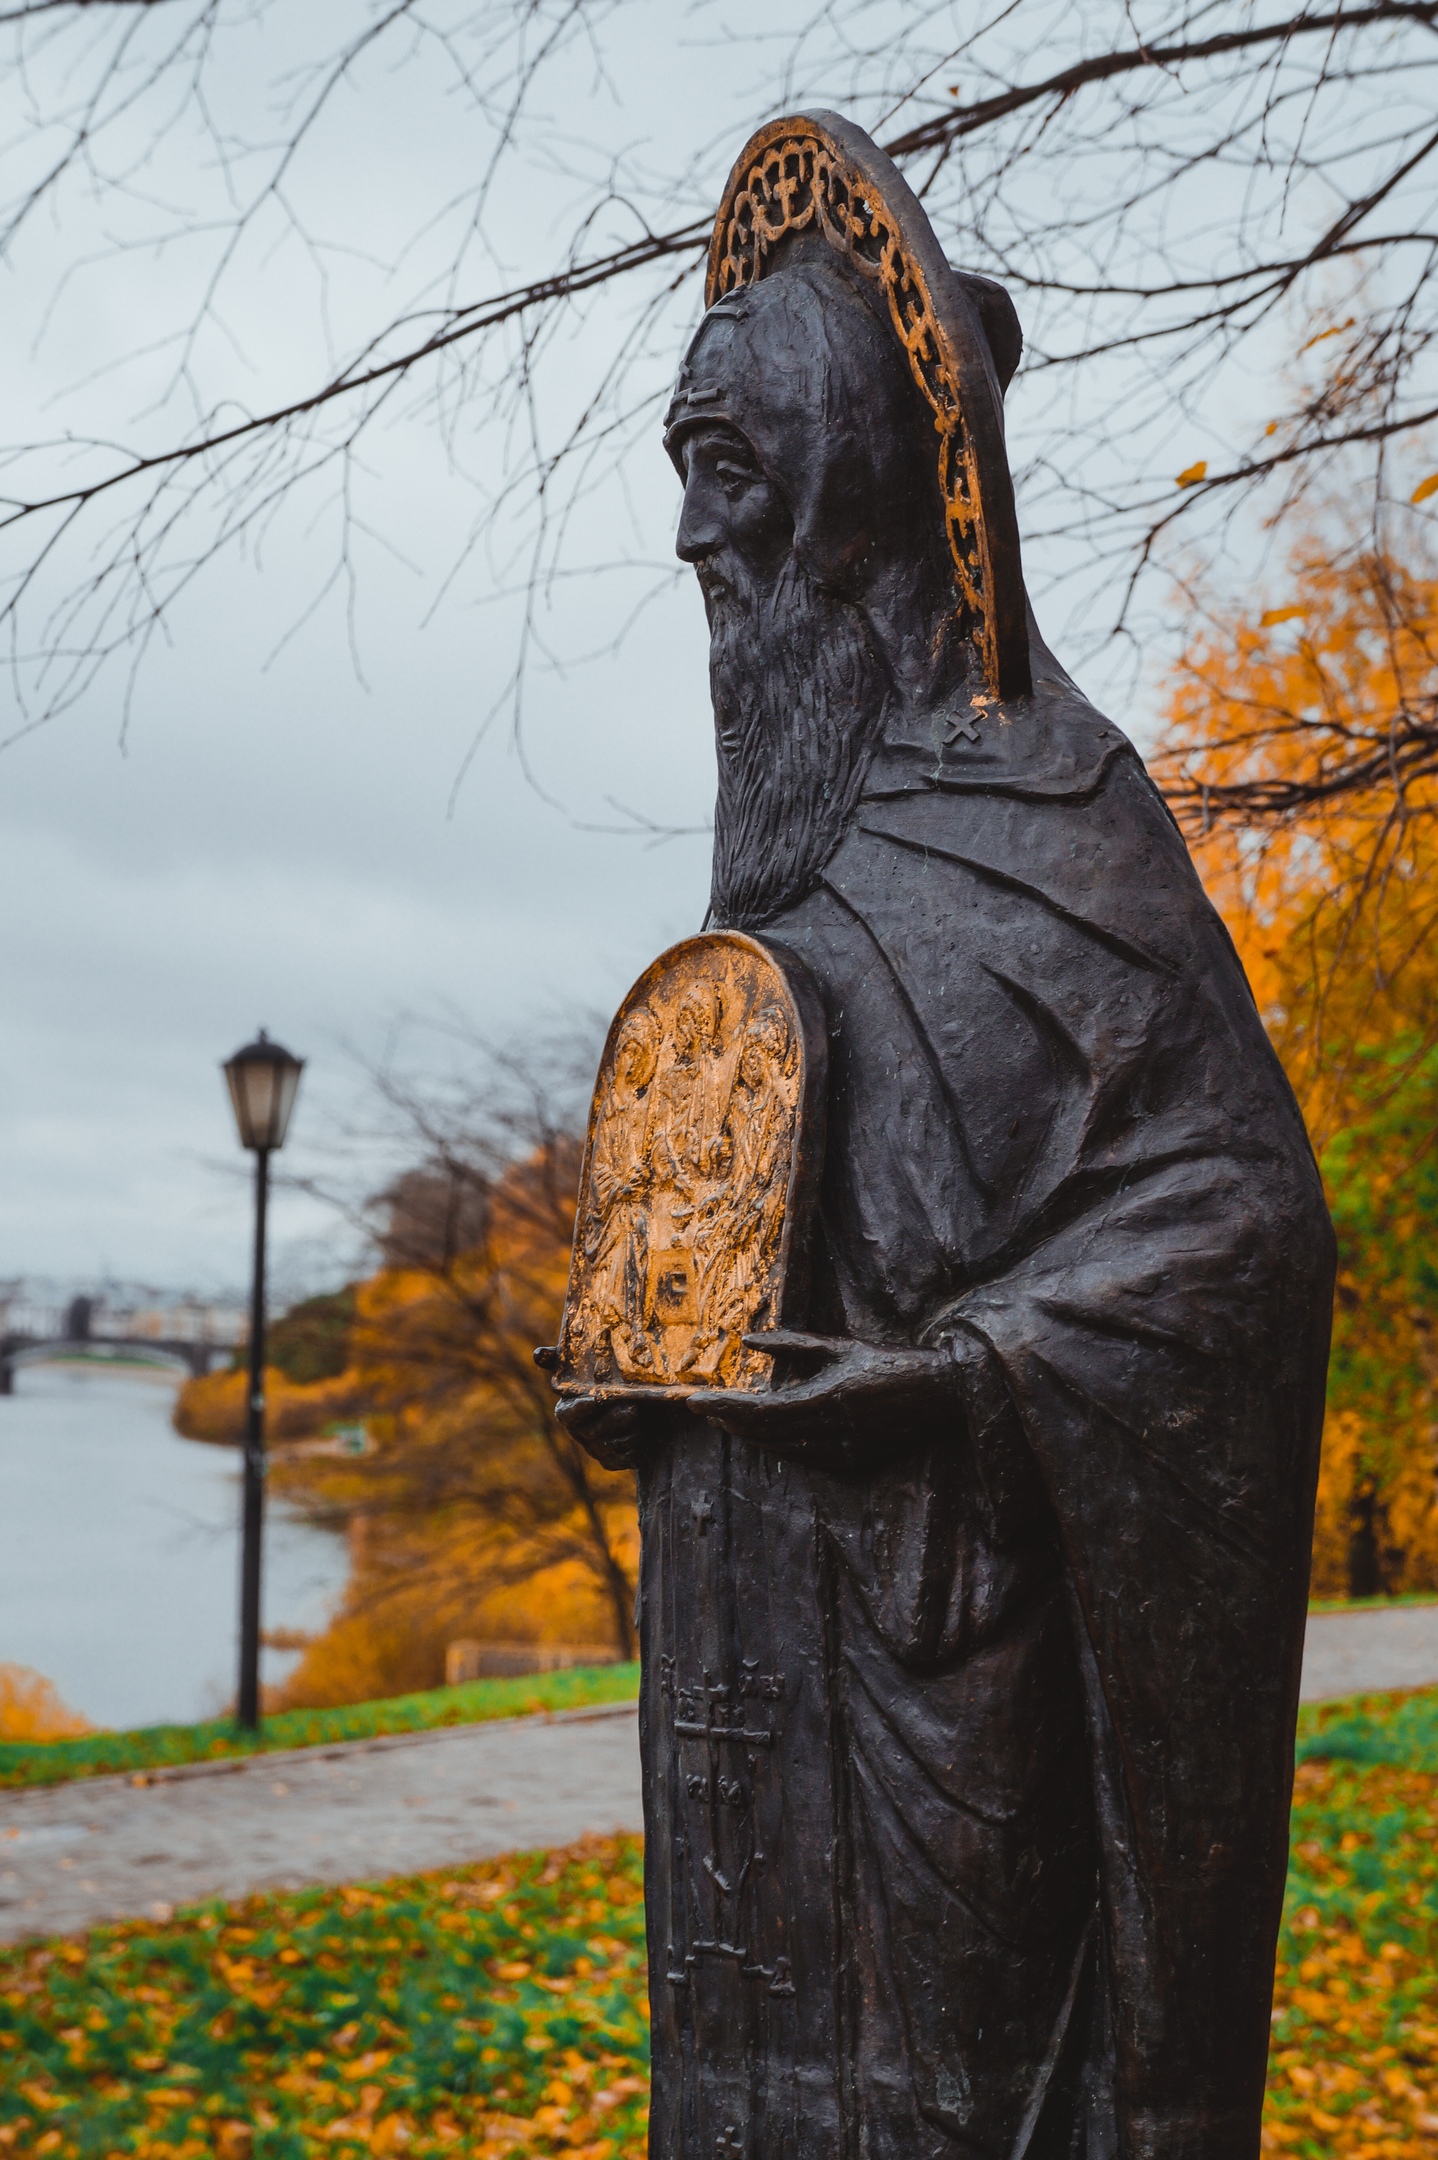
<point>1300,754</point>
<point>31,1709</point>
<point>311,1341</point>
<point>475,1513</point>
<point>443,1350</point>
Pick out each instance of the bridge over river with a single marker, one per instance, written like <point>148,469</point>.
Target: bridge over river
<point>188,1334</point>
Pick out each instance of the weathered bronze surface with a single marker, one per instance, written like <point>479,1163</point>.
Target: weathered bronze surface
<point>698,1176</point>
<point>971,1643</point>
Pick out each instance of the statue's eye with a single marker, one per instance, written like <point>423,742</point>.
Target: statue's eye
<point>735,472</point>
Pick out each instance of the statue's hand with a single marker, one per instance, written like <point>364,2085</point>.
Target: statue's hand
<point>616,1428</point>
<point>615,1433</point>
<point>861,1407</point>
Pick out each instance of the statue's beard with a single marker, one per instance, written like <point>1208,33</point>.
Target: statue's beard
<point>800,696</point>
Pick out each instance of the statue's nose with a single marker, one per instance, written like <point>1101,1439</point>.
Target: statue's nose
<point>701,529</point>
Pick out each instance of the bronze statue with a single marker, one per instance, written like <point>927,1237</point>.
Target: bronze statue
<point>971,1630</point>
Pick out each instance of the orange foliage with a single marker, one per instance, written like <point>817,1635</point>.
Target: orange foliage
<point>1334,908</point>
<point>390,1638</point>
<point>214,1408</point>
<point>1333,904</point>
<point>475,1515</point>
<point>30,1708</point>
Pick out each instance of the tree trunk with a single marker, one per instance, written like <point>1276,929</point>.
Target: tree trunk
<point>1364,1572</point>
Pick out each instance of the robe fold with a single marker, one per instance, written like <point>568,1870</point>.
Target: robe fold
<point>967,1781</point>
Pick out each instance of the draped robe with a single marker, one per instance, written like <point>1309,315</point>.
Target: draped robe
<point>967,1779</point>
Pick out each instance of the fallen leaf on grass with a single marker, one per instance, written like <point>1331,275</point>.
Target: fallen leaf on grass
<point>250,1993</point>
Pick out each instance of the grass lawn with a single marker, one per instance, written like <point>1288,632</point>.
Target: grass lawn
<point>51,1762</point>
<point>1353,2069</point>
<point>498,2011</point>
<point>472,2013</point>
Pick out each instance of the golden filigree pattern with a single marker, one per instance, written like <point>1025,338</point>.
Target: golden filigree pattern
<point>686,1199</point>
<point>802,183</point>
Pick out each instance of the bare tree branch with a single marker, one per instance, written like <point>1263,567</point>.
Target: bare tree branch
<point>1177,198</point>
<point>1145,58</point>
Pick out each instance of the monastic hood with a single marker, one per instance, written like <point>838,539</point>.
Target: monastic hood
<point>815,210</point>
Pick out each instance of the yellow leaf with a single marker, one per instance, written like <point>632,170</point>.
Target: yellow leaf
<point>368,2064</point>
<point>1425,488</point>
<point>1337,331</point>
<point>1192,474</point>
<point>1280,614</point>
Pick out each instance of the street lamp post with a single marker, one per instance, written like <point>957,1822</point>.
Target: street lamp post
<point>263,1081</point>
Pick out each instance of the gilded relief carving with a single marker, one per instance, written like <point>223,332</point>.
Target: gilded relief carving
<point>691,1179</point>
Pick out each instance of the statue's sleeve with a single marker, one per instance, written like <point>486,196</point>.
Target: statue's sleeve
<point>1111,1168</point>
<point>1060,1142</point>
<point>1158,1351</point>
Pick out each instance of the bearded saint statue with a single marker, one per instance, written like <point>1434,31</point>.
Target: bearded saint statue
<point>971,1646</point>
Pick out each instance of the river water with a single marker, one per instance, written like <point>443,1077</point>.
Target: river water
<point>119,1550</point>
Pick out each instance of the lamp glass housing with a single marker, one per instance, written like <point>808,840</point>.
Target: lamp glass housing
<point>263,1080</point>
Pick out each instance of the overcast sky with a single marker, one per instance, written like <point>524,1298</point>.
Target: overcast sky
<point>272,842</point>
<point>278,849</point>
<point>269,840</point>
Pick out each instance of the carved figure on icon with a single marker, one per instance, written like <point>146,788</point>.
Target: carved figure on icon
<point>686,1161</point>
<point>740,1235</point>
<point>615,1232</point>
<point>688,1125</point>
<point>971,1634</point>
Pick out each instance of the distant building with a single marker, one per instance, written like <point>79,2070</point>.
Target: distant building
<point>35,1317</point>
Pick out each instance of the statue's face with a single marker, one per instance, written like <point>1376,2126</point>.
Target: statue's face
<point>798,429</point>
<point>753,1063</point>
<point>778,518</point>
<point>693,1026</point>
<point>735,527</point>
<point>635,1059</point>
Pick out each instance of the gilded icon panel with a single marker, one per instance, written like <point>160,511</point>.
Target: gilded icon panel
<point>692,1205</point>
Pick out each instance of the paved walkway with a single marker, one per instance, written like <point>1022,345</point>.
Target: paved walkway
<point>1361,1652</point>
<point>106,1848</point>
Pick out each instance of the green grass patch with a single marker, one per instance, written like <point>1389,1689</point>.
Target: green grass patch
<point>1401,1729</point>
<point>485,2010</point>
<point>154,1747</point>
<point>1353,2071</point>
